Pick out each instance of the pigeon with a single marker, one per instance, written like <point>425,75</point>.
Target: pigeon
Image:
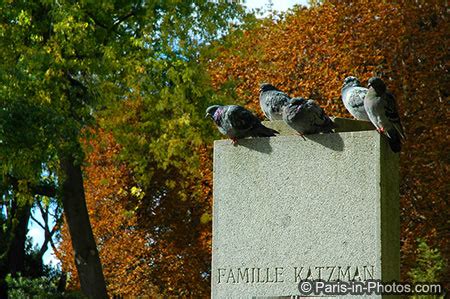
<point>306,117</point>
<point>353,97</point>
<point>272,101</point>
<point>237,122</point>
<point>382,111</point>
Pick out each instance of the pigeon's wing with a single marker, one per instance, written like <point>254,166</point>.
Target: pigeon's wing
<point>272,103</point>
<point>279,100</point>
<point>244,124</point>
<point>391,112</point>
<point>241,119</point>
<point>353,99</point>
<point>316,113</point>
<point>294,113</point>
<point>289,113</point>
<point>356,97</point>
<point>319,119</point>
<point>308,118</point>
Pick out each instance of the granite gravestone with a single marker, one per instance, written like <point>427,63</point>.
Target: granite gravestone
<point>287,209</point>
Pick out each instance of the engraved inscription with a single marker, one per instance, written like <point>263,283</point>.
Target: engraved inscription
<point>243,275</point>
<point>334,273</point>
<point>265,275</point>
<point>250,275</point>
<point>331,272</point>
<point>343,273</point>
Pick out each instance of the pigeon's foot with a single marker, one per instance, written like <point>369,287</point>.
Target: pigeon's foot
<point>234,141</point>
<point>381,130</point>
<point>301,135</point>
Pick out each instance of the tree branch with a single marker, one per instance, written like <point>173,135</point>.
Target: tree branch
<point>43,188</point>
<point>47,233</point>
<point>96,21</point>
<point>38,223</point>
<point>123,18</point>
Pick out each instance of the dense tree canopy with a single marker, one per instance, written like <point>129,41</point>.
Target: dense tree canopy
<point>68,65</point>
<point>145,247</point>
<point>107,98</point>
<point>306,52</point>
<point>309,52</point>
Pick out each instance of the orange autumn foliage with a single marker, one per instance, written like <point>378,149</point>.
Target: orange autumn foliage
<point>309,52</point>
<point>120,242</point>
<point>145,246</point>
<point>149,246</point>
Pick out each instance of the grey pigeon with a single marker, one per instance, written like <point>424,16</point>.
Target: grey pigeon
<point>272,101</point>
<point>353,97</point>
<point>237,122</point>
<point>382,111</point>
<point>306,117</point>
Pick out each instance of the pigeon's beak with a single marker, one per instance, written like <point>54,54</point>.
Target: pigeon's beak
<point>369,85</point>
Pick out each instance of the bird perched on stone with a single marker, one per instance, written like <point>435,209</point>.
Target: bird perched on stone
<point>306,117</point>
<point>353,97</point>
<point>272,101</point>
<point>237,122</point>
<point>382,110</point>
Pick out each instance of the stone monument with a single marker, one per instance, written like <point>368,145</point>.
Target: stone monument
<point>287,209</point>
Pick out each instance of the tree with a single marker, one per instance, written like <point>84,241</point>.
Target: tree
<point>63,63</point>
<point>15,207</point>
<point>160,128</point>
<point>309,51</point>
<point>145,250</point>
<point>111,207</point>
<point>44,103</point>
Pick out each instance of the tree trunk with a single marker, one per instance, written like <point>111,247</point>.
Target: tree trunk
<point>3,273</point>
<point>13,259</point>
<point>87,259</point>
<point>16,252</point>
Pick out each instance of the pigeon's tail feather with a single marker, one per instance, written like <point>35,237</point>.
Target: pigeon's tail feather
<point>398,126</point>
<point>328,126</point>
<point>395,141</point>
<point>262,131</point>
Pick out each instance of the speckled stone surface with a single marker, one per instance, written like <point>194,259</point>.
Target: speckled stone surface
<point>287,209</point>
<point>342,125</point>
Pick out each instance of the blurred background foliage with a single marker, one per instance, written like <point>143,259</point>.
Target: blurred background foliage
<point>309,51</point>
<point>123,86</point>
